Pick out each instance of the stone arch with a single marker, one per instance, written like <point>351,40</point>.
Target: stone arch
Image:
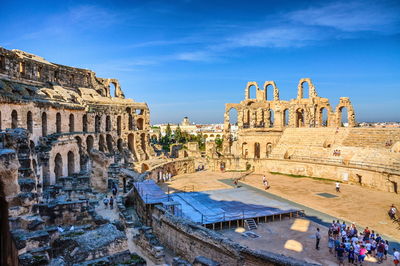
<point>58,166</point>
<point>29,122</point>
<point>271,118</point>
<point>345,103</point>
<point>268,149</point>
<point>232,116</point>
<point>110,145</point>
<point>97,124</point>
<point>89,143</point>
<point>246,118</point>
<point>212,135</point>
<point>14,119</point>
<point>286,117</point>
<point>58,123</point>
<point>323,117</point>
<point>257,149</point>
<point>71,163</point>
<point>108,123</point>
<point>120,145</point>
<point>130,121</point>
<point>300,119</point>
<point>247,90</point>
<point>102,146</point>
<point>275,90</point>
<point>119,125</point>
<point>140,123</point>
<point>84,123</point>
<point>71,123</point>
<point>311,89</point>
<point>112,86</point>
<point>245,151</point>
<point>44,124</point>
<point>131,143</point>
<point>205,136</point>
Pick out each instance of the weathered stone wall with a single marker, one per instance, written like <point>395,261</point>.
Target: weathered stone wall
<point>175,167</point>
<point>189,240</point>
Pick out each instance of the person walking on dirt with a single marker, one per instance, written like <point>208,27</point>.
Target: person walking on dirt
<point>337,187</point>
<point>111,203</point>
<point>317,239</point>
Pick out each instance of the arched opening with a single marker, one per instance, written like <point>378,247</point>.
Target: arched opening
<point>14,119</point>
<point>343,116</point>
<point>71,123</point>
<point>29,121</point>
<point>143,143</point>
<point>108,123</point>
<point>71,163</point>
<point>44,124</point>
<point>269,92</point>
<point>323,114</point>
<point>119,125</point>
<point>252,92</point>
<point>89,143</point>
<point>246,118</point>
<point>58,166</point>
<point>102,143</point>
<point>269,149</point>
<point>119,145</point>
<point>82,159</point>
<point>130,122</point>
<point>305,88</point>
<point>286,117</point>
<point>245,151</point>
<point>233,117</point>
<point>140,124</point>
<point>109,141</point>
<point>34,167</point>
<point>58,123</point>
<point>139,111</point>
<point>112,89</point>
<point>97,124</point>
<point>45,174</point>
<point>299,117</point>
<point>131,143</point>
<point>271,118</point>
<point>84,123</point>
<point>256,150</point>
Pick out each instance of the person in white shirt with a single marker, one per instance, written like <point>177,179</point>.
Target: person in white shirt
<point>337,187</point>
<point>396,257</point>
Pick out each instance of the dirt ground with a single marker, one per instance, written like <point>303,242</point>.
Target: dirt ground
<point>294,238</point>
<point>364,206</point>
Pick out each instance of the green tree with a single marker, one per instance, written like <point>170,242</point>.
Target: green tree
<point>168,131</point>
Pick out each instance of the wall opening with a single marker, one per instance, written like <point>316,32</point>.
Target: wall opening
<point>130,122</point>
<point>143,143</point>
<point>97,124</point>
<point>58,166</point>
<point>269,149</point>
<point>89,143</point>
<point>286,117</point>
<point>252,92</point>
<point>29,121</point>
<point>131,143</point>
<point>343,116</point>
<point>140,123</point>
<point>44,124</point>
<point>271,118</point>
<point>233,117</point>
<point>269,92</point>
<point>112,89</point>
<point>305,87</point>
<point>101,143</point>
<point>14,119</point>
<point>245,151</point>
<point>120,146</point>
<point>108,123</point>
<point>84,123</point>
<point>324,117</point>
<point>119,125</point>
<point>71,123</point>
<point>109,141</point>
<point>71,163</point>
<point>299,117</point>
<point>58,123</point>
<point>256,150</point>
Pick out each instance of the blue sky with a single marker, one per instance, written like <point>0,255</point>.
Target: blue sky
<point>189,58</point>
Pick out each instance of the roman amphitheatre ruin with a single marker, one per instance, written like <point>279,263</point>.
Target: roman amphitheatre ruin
<point>68,138</point>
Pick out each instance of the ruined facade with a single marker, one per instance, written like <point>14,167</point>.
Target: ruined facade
<point>62,130</point>
<point>306,136</point>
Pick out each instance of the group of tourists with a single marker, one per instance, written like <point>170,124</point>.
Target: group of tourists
<point>336,153</point>
<point>110,200</point>
<point>347,243</point>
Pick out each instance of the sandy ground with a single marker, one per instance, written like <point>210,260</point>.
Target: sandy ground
<point>361,205</point>
<point>294,238</point>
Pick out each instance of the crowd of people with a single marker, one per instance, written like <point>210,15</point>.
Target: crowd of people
<point>347,243</point>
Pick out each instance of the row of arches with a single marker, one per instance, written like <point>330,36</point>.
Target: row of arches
<point>266,117</point>
<point>255,150</point>
<point>71,123</point>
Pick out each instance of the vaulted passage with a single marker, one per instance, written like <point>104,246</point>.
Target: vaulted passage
<point>58,166</point>
<point>71,163</point>
<point>29,122</point>
<point>14,119</point>
<point>58,123</point>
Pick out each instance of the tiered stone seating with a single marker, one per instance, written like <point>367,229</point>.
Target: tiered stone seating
<point>371,137</point>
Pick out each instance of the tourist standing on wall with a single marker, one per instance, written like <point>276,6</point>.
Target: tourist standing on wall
<point>317,239</point>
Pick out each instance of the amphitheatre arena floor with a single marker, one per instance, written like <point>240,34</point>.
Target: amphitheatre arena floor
<point>364,206</point>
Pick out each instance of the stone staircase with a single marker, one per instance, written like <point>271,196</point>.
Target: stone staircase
<point>251,224</point>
